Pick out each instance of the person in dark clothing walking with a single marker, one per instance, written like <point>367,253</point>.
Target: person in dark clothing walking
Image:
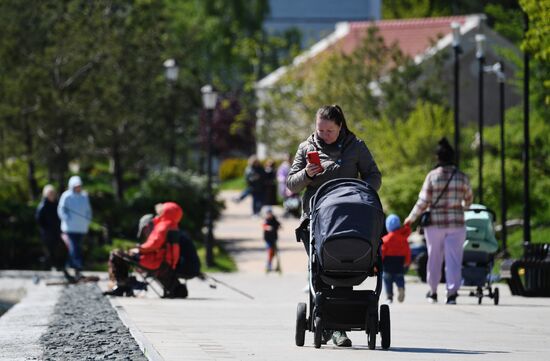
<point>254,175</point>
<point>255,179</point>
<point>271,235</point>
<point>49,226</point>
<point>270,183</point>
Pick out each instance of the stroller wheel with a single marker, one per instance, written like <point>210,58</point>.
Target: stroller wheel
<point>318,335</point>
<point>372,330</point>
<point>385,326</point>
<point>495,296</point>
<point>300,324</point>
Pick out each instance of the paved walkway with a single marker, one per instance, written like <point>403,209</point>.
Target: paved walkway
<point>221,324</point>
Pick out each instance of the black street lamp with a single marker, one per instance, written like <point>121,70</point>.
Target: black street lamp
<point>209,99</point>
<point>171,72</point>
<point>526,144</point>
<point>501,83</point>
<point>480,55</point>
<point>498,70</point>
<point>457,50</point>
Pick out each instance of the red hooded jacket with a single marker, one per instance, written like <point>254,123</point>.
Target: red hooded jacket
<point>395,244</point>
<point>154,251</point>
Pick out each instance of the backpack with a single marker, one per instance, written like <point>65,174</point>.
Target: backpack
<point>189,265</point>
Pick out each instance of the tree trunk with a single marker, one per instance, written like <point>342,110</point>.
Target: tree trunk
<point>118,172</point>
<point>31,178</point>
<point>60,160</point>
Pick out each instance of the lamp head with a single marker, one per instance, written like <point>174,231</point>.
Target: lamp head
<point>209,97</point>
<point>456,34</point>
<point>171,70</point>
<point>480,41</point>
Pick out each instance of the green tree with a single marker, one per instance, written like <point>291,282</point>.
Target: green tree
<point>374,82</point>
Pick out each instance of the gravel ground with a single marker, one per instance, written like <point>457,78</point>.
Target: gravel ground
<point>85,327</point>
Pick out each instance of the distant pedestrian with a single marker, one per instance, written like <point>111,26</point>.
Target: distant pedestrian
<point>396,256</point>
<point>254,176</point>
<point>49,226</point>
<point>271,235</point>
<point>76,214</point>
<point>270,183</point>
<point>446,192</point>
<point>282,174</point>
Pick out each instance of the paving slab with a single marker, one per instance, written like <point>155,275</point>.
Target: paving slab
<point>23,325</point>
<point>221,324</point>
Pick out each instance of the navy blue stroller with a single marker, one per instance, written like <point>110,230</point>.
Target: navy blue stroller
<point>344,249</point>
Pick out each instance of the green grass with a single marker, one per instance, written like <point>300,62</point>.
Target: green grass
<point>515,239</point>
<point>233,184</point>
<point>99,256</point>
<point>222,261</point>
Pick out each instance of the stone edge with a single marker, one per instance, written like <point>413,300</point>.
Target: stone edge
<point>144,344</point>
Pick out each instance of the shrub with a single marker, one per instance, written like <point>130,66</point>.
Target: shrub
<point>186,188</point>
<point>232,168</point>
<point>19,241</point>
<point>400,189</point>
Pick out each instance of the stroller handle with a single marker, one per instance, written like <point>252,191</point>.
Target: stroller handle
<point>479,210</point>
<point>334,183</point>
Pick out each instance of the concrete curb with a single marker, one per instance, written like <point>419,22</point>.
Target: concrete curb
<point>144,344</point>
<point>22,327</point>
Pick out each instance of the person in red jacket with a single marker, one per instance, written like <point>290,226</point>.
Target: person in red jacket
<point>396,255</point>
<point>153,252</point>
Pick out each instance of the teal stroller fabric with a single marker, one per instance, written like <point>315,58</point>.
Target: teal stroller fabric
<point>480,233</point>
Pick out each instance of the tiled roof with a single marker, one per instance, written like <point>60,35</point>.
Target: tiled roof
<point>412,35</point>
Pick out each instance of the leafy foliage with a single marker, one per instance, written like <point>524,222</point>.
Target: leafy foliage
<point>232,168</point>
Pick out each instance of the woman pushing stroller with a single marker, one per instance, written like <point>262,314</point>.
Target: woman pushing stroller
<point>331,152</point>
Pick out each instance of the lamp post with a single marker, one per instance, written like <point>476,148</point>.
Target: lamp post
<point>480,55</point>
<point>501,77</point>
<point>171,73</point>
<point>209,99</point>
<point>498,70</point>
<point>526,141</point>
<point>457,50</point>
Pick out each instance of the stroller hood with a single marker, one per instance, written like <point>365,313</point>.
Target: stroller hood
<point>348,210</point>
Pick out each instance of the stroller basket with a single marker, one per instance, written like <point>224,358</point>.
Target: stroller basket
<point>347,254</point>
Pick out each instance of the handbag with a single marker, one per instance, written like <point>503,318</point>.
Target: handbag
<point>425,217</point>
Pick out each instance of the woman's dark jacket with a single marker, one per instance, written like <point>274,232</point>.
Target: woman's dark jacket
<point>255,178</point>
<point>48,220</point>
<point>348,157</point>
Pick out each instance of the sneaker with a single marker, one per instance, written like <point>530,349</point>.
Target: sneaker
<point>327,335</point>
<point>432,297</point>
<point>389,301</point>
<point>401,294</point>
<point>451,299</point>
<point>340,339</point>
